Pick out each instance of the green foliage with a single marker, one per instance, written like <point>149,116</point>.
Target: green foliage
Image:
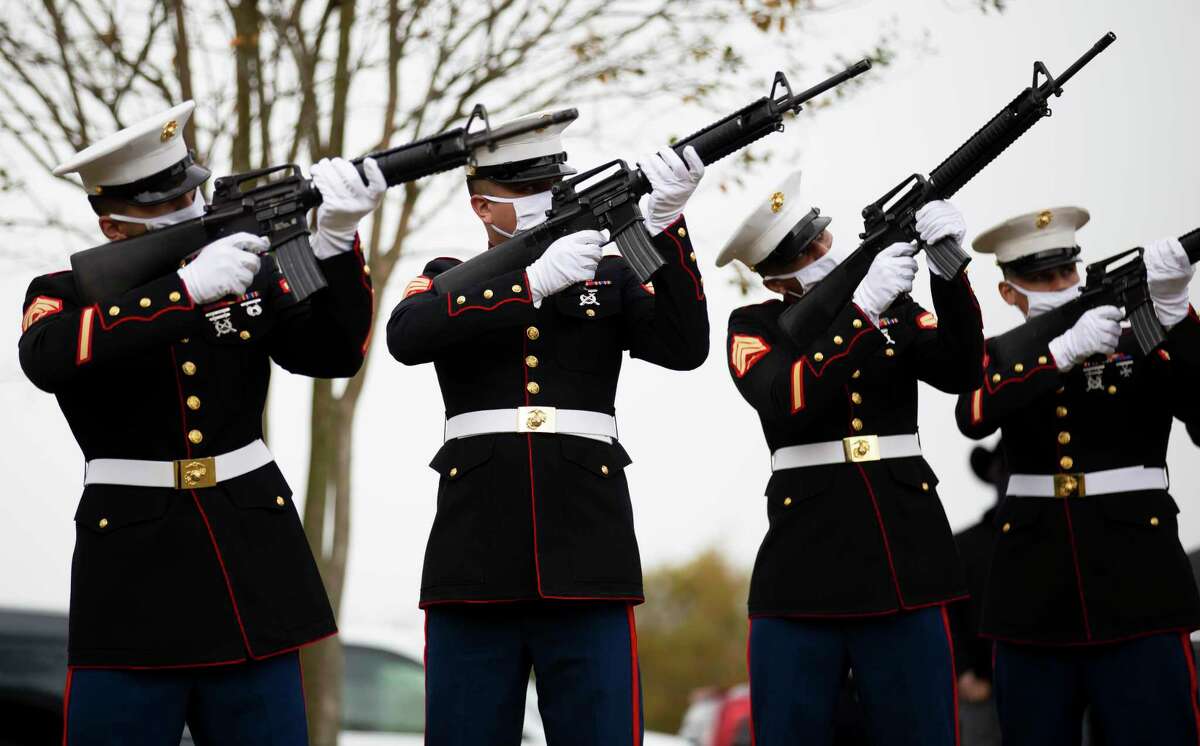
<point>691,633</point>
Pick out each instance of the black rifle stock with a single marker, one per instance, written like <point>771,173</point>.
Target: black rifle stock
<point>274,203</point>
<point>1119,280</point>
<point>610,201</point>
<point>892,218</point>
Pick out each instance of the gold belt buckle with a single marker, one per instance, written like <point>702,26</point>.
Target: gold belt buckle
<point>1069,485</point>
<point>860,448</point>
<point>195,473</point>
<point>537,419</point>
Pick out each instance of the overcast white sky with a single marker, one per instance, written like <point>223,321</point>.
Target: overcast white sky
<point>1122,142</point>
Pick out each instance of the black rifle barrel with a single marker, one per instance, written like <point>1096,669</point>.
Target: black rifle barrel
<point>451,149</point>
<point>891,218</point>
<point>1087,57</point>
<point>758,119</point>
<point>278,211</point>
<point>612,203</point>
<point>1191,244</point>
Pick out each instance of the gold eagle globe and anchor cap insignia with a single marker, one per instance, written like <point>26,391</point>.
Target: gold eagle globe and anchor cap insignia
<point>146,163</point>
<point>764,229</point>
<point>1035,240</point>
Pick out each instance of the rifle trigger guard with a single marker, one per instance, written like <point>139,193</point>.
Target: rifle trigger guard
<point>772,102</point>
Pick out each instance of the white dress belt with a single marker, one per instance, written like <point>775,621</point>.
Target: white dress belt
<point>190,473</point>
<point>579,422</point>
<point>852,450</point>
<point>1106,482</point>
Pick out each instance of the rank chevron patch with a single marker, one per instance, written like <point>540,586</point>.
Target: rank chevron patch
<point>41,307</point>
<point>745,351</point>
<point>927,321</point>
<point>420,284</point>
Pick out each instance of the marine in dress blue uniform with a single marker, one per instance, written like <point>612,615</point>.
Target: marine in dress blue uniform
<point>192,584</point>
<point>532,561</point>
<point>858,563</point>
<point>1090,598</point>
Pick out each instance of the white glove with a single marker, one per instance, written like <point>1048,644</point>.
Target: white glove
<point>937,220</point>
<point>570,259</point>
<point>345,200</point>
<point>673,182</point>
<point>1096,333</point>
<point>225,267</point>
<point>1168,273</point>
<point>890,276</point>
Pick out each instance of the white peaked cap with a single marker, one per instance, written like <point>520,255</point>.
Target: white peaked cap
<point>140,150</point>
<point>778,212</point>
<point>1032,233</point>
<point>538,143</point>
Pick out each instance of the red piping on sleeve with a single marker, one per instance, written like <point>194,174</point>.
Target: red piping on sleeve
<point>450,305</point>
<point>670,233</point>
<point>953,676</point>
<point>1087,627</point>
<point>109,327</point>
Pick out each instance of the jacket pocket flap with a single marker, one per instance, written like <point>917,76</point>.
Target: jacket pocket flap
<point>802,483</point>
<point>105,508</point>
<point>594,455</point>
<point>1020,512</point>
<point>912,471</point>
<point>1140,509</point>
<point>461,455</point>
<point>264,487</point>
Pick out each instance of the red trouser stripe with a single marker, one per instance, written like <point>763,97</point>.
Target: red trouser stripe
<point>67,703</point>
<point>953,675</point>
<point>633,655</point>
<point>749,690</point>
<point>1190,657</point>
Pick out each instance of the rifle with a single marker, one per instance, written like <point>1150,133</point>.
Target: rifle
<point>273,202</point>
<point>1119,280</point>
<point>611,203</point>
<point>892,219</point>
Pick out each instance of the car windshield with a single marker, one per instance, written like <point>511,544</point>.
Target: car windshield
<point>384,692</point>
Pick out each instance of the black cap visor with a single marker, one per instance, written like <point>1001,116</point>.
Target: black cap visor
<point>545,168</point>
<point>163,186</point>
<point>1042,261</point>
<point>797,240</point>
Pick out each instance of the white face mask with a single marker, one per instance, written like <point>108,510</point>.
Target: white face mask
<point>531,210</point>
<point>1042,301</point>
<point>192,211</point>
<point>811,273</point>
